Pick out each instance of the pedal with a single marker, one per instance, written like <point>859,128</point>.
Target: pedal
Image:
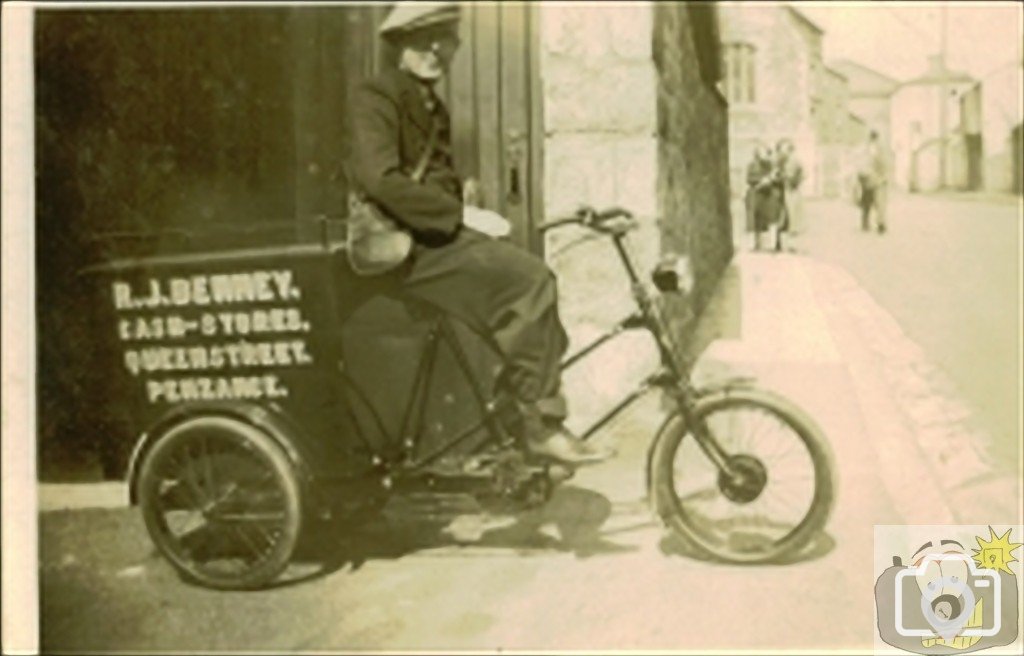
<point>553,466</point>
<point>479,465</point>
<point>456,468</point>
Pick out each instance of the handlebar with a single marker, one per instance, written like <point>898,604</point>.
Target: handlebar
<point>600,221</point>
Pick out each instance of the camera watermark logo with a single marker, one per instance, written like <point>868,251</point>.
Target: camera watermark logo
<point>936,598</point>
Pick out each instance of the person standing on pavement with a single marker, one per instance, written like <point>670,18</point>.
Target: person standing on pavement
<point>872,179</point>
<point>457,262</point>
<point>764,193</point>
<point>791,174</point>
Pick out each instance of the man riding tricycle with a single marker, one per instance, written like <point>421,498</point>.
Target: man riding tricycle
<point>410,346</point>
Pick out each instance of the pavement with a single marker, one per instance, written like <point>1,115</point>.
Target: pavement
<point>949,271</point>
<point>923,437</point>
<point>592,569</point>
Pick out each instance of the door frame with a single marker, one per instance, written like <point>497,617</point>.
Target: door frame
<point>467,122</point>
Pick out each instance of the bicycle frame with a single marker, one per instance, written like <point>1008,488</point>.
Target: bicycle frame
<point>413,421</point>
<point>647,317</point>
<point>671,377</point>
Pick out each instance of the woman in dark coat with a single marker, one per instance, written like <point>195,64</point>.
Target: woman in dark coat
<point>764,193</point>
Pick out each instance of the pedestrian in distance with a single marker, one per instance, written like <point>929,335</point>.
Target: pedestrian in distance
<point>401,160</point>
<point>764,193</point>
<point>791,174</point>
<point>872,182</point>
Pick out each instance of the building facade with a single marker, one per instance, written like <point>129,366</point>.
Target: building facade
<point>990,124</point>
<point>774,81</point>
<point>831,118</point>
<point>917,109</point>
<point>870,95</point>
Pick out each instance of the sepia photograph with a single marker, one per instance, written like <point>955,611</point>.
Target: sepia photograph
<point>513,327</point>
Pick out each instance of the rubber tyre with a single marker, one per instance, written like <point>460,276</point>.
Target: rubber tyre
<point>674,431</point>
<point>284,480</point>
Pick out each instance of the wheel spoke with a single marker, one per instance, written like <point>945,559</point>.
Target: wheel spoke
<point>773,501</point>
<point>193,484</point>
<point>749,526</point>
<point>242,533</point>
<point>251,517</point>
<point>767,421</point>
<point>209,481</point>
<point>758,427</point>
<point>787,446</point>
<point>220,500</point>
<point>197,540</point>
<point>176,494</point>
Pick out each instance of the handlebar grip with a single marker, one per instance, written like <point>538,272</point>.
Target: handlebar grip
<point>555,223</point>
<point>588,216</point>
<point>613,213</point>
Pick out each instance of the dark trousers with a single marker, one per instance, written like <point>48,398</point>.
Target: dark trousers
<point>507,294</point>
<point>867,201</point>
<point>872,198</point>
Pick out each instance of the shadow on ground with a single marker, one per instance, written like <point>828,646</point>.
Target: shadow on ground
<point>820,546</point>
<point>570,522</point>
<point>720,318</point>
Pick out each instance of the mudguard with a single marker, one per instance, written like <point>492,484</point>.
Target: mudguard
<point>722,387</point>
<point>716,391</point>
<point>267,417</point>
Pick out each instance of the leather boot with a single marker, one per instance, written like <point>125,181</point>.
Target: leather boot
<point>548,438</point>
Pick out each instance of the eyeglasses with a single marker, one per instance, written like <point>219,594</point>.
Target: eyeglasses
<point>438,44</point>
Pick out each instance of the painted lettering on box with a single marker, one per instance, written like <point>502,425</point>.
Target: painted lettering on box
<point>203,337</point>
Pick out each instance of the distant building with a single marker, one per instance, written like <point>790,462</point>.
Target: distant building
<point>831,116</point>
<point>857,129</point>
<point>773,81</point>
<point>967,141</point>
<point>855,134</point>
<point>870,94</point>
<point>990,130</point>
<point>915,122</point>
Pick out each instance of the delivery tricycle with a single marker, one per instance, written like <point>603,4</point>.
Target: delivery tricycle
<point>269,386</point>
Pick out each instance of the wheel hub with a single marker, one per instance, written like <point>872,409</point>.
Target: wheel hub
<point>744,479</point>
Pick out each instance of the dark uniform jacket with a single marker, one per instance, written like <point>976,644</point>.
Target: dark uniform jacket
<point>391,122</point>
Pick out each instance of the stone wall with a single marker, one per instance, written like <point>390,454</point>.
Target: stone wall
<point>623,129</point>
<point>784,63</point>
<point>693,138</point>
<point>600,149</point>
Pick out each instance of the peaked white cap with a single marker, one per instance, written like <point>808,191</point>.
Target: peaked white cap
<point>409,16</point>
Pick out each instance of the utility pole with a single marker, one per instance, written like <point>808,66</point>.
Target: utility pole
<point>943,92</point>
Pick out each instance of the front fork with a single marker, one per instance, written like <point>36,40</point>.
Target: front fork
<point>678,383</point>
<point>699,429</point>
<point>686,400</point>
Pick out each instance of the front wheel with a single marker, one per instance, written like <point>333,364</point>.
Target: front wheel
<point>775,492</point>
<point>222,502</point>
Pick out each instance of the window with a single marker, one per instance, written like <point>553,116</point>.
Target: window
<point>739,73</point>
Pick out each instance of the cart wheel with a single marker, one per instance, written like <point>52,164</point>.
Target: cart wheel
<point>222,502</point>
<point>778,494</point>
